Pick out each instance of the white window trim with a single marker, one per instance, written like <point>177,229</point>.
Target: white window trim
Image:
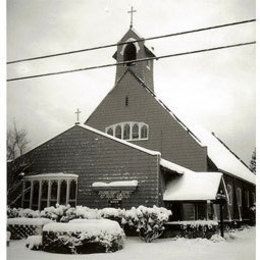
<point>230,196</point>
<point>135,43</point>
<point>131,124</point>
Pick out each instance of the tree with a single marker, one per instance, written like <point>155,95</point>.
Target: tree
<point>252,165</point>
<point>16,142</point>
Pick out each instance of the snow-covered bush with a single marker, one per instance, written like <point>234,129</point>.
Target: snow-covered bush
<point>199,228</point>
<point>81,213</point>
<point>148,222</point>
<point>217,238</point>
<point>34,242</point>
<point>83,236</point>
<point>113,214</point>
<point>57,213</point>
<point>29,213</point>
<point>12,212</point>
<point>22,213</point>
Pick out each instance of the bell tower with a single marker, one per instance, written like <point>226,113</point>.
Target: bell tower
<point>131,51</point>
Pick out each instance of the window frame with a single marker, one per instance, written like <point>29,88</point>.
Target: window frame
<point>131,125</point>
<point>45,184</point>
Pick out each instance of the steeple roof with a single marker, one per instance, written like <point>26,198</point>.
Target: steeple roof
<point>133,35</point>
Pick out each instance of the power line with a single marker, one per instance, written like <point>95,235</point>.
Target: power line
<point>139,40</point>
<point>132,61</point>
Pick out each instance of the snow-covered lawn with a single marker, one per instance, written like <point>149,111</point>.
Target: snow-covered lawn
<point>239,245</point>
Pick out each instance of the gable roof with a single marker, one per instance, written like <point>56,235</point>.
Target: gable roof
<point>224,159</point>
<point>193,186</point>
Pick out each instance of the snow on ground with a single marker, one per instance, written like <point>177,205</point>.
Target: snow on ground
<point>239,245</point>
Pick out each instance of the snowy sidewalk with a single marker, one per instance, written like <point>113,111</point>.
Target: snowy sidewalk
<point>238,246</point>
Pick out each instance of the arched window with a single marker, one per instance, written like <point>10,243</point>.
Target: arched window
<point>63,192</point>
<point>230,194</point>
<point>135,131</point>
<point>126,132</point>
<point>239,197</point>
<point>118,131</point>
<point>144,131</point>
<point>110,131</point>
<point>130,53</point>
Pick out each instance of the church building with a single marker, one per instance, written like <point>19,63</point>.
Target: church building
<point>133,150</point>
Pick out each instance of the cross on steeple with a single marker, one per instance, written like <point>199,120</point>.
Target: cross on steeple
<point>131,12</point>
<point>77,112</point>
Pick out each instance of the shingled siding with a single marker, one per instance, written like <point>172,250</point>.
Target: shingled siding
<point>165,133</point>
<point>97,158</point>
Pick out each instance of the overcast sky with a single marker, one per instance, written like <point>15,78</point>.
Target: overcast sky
<point>214,89</point>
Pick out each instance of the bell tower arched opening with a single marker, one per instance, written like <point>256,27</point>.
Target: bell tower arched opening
<point>130,53</point>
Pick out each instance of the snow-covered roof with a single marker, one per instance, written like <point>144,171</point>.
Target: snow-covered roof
<point>151,152</point>
<point>223,157</point>
<point>193,186</point>
<point>218,152</point>
<point>133,183</point>
<point>58,175</point>
<point>174,167</point>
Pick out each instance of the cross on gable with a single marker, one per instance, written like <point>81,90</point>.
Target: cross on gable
<point>77,113</point>
<point>131,12</point>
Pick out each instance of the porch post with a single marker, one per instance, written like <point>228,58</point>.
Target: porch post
<point>23,191</point>
<point>58,195</point>
<point>49,193</point>
<point>207,209</point>
<point>31,195</point>
<point>68,192</point>
<point>40,195</point>
<point>221,220</point>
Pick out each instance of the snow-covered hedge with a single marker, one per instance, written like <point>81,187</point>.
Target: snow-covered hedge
<point>192,229</point>
<point>34,242</point>
<point>22,213</point>
<point>22,227</point>
<point>83,236</point>
<point>28,221</point>
<point>147,222</point>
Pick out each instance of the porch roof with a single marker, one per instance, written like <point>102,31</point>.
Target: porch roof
<point>193,186</point>
<point>51,176</point>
